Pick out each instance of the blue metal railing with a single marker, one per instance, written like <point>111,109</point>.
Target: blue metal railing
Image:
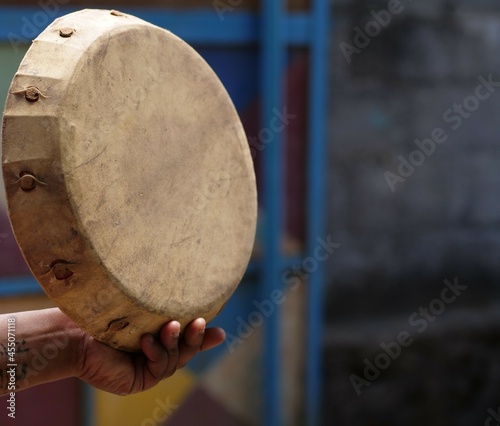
<point>316,205</point>
<point>272,68</point>
<point>201,27</point>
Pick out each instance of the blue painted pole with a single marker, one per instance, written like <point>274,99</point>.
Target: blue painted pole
<point>88,405</point>
<point>316,204</point>
<point>19,286</point>
<point>272,67</point>
<point>202,27</point>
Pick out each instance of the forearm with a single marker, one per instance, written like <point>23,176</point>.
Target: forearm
<point>38,347</point>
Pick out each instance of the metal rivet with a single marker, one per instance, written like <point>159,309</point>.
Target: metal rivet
<point>66,32</point>
<point>27,182</point>
<point>116,13</point>
<point>32,94</point>
<point>62,272</point>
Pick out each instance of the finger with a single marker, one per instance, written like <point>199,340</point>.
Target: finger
<point>169,337</point>
<point>152,349</point>
<point>213,337</point>
<point>194,334</point>
<point>157,358</point>
<point>192,341</point>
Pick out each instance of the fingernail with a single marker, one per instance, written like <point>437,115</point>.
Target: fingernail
<point>202,331</point>
<point>175,334</point>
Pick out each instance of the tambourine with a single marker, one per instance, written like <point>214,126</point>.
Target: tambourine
<point>129,180</point>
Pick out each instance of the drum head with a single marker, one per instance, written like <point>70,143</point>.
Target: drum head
<point>129,180</point>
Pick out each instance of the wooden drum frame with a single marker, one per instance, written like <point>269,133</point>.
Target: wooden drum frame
<point>129,180</point>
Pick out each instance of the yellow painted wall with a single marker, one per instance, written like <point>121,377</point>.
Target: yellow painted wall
<point>144,409</point>
<point>24,303</point>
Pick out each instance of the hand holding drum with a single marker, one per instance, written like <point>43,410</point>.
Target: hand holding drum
<point>129,181</point>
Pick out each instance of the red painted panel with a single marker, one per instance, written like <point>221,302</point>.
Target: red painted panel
<point>294,119</point>
<point>52,404</point>
<point>11,260</point>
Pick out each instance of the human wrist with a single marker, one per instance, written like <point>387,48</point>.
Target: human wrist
<point>71,342</point>
<point>48,347</point>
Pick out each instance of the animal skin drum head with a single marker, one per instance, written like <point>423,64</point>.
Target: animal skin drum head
<point>129,180</point>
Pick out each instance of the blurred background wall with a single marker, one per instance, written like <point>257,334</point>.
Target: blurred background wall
<point>407,221</point>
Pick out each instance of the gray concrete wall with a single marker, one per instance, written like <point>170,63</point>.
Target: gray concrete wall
<point>416,78</point>
<point>443,220</point>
